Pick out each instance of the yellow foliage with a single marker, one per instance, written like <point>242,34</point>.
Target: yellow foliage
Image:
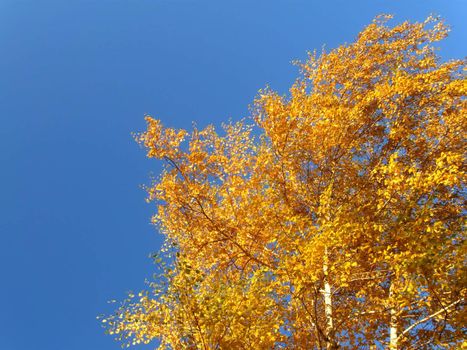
<point>342,223</point>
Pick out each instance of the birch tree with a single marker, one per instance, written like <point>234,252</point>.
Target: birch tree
<point>334,219</point>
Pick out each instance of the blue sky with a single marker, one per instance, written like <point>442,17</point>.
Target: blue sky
<point>76,78</point>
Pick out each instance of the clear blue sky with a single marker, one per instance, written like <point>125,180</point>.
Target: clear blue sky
<point>76,78</point>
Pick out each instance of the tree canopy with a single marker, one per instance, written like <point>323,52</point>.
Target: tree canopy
<point>334,219</point>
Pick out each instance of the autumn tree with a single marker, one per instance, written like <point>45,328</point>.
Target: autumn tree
<point>335,220</point>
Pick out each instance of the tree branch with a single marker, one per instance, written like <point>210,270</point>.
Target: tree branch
<point>423,320</point>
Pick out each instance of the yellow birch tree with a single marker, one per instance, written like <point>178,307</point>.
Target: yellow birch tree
<point>335,220</point>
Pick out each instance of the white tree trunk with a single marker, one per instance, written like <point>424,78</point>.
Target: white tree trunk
<point>327,292</point>
<point>393,336</point>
